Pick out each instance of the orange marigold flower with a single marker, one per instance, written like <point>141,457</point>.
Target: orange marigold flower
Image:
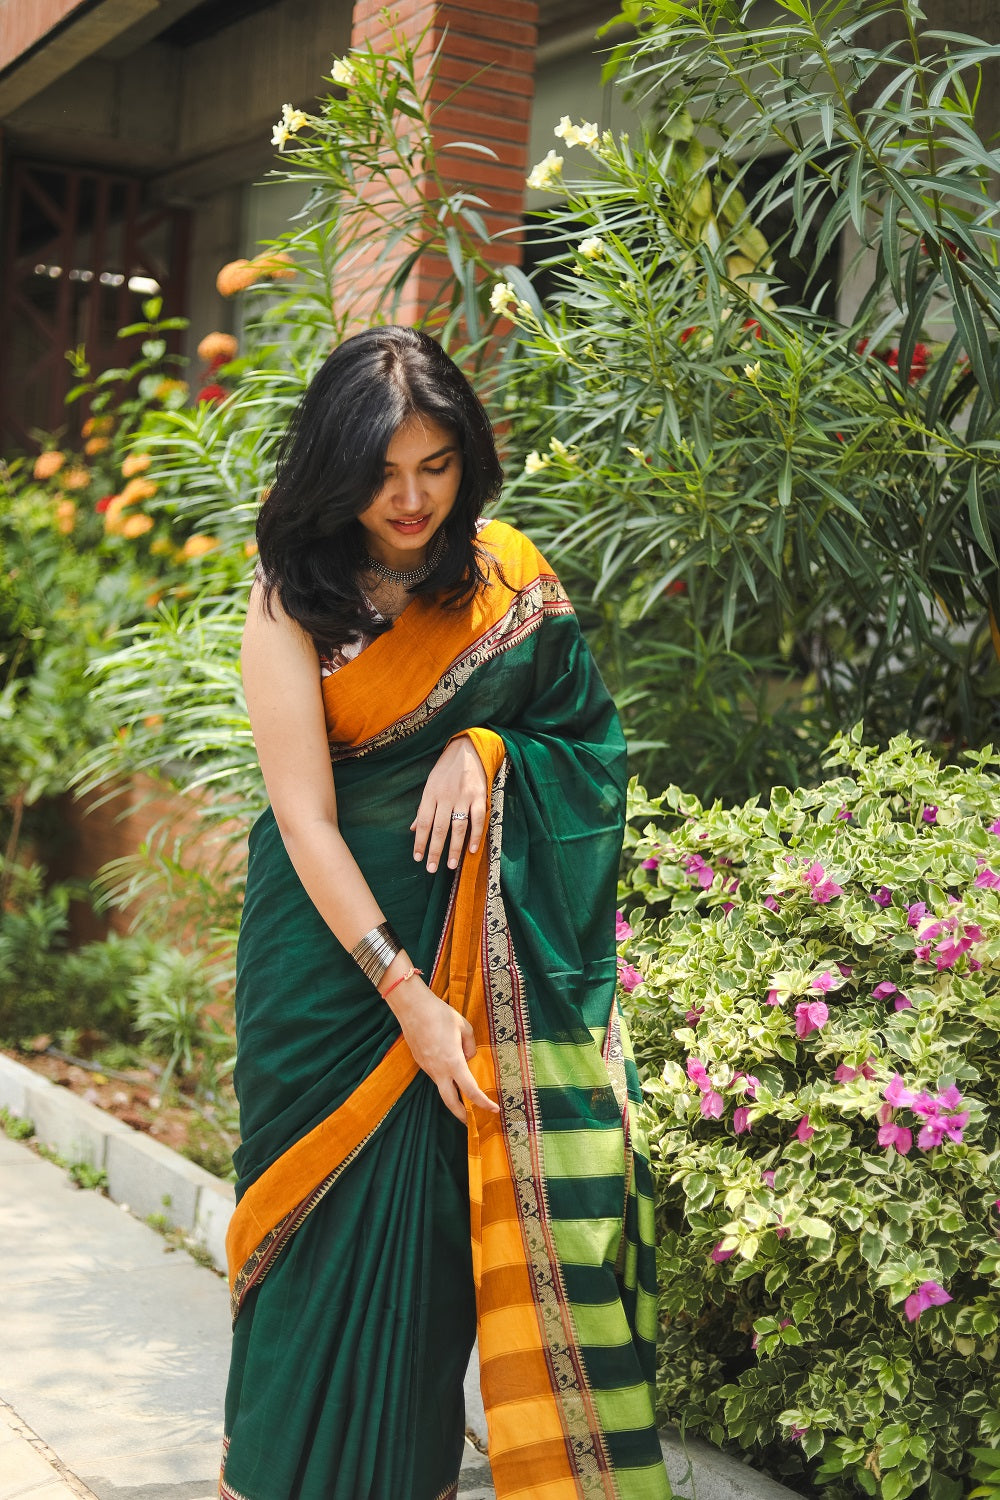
<point>137,525</point>
<point>152,600</point>
<point>135,463</point>
<point>47,464</point>
<point>66,516</point>
<point>113,519</point>
<point>167,387</point>
<point>277,264</point>
<point>96,445</point>
<point>250,549</point>
<point>198,545</point>
<point>95,426</point>
<point>76,478</point>
<point>153,721</point>
<point>235,277</point>
<point>218,346</point>
<point>138,489</point>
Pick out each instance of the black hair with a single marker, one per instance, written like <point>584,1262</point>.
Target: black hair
<point>331,465</point>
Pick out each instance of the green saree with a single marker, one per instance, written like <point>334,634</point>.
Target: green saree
<point>374,1235</point>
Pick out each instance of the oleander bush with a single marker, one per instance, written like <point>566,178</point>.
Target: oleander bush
<point>815,996</point>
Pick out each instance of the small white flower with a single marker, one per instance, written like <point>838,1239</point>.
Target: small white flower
<point>534,462</point>
<point>524,307</point>
<point>592,248</point>
<point>561,451</point>
<point>546,174</point>
<point>502,296</point>
<point>752,371</point>
<point>279,135</point>
<point>636,452</point>
<point>293,119</point>
<point>343,73</point>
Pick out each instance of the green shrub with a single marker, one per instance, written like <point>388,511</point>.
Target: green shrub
<point>819,1026</point>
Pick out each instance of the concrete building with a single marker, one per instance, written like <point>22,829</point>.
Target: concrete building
<point>136,144</point>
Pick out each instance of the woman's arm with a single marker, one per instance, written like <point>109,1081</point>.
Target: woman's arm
<point>281,679</point>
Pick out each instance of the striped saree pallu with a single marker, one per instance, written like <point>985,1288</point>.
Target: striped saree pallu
<point>374,1237</point>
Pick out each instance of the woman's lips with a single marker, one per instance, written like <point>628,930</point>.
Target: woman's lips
<point>410,528</point>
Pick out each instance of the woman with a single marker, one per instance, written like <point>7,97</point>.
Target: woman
<point>437,1096</point>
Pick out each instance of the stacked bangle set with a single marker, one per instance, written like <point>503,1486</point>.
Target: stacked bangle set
<point>374,955</point>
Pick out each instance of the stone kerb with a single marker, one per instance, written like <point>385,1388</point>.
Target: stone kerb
<point>143,1175</point>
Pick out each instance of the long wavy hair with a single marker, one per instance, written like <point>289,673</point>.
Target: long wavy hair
<point>331,465</point>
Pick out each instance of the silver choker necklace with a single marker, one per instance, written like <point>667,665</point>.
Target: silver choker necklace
<point>412,575</point>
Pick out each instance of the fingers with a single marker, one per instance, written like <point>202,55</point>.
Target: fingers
<point>473,1093</point>
<point>431,829</point>
<point>477,822</point>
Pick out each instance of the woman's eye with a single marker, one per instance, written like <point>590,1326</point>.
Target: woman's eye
<point>440,469</point>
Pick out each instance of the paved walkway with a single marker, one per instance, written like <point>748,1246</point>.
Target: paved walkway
<point>113,1350</point>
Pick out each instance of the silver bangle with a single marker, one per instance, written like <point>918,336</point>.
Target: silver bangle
<point>375,952</point>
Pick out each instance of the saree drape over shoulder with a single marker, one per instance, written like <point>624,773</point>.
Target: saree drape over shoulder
<point>374,1236</point>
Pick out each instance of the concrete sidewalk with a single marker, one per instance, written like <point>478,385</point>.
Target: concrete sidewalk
<point>114,1346</point>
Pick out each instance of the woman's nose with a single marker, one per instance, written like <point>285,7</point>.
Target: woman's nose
<point>408,492</point>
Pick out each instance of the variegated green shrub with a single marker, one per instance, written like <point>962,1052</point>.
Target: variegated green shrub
<point>814,988</point>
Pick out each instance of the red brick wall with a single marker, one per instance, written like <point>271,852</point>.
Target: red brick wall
<point>488,54</point>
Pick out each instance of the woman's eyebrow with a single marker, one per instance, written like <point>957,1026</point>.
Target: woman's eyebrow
<point>429,457</point>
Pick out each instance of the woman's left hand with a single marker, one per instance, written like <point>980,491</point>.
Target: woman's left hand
<point>457,784</point>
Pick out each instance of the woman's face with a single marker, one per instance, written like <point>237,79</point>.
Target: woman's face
<point>423,470</point>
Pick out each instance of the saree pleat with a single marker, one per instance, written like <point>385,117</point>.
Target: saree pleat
<point>371,1230</point>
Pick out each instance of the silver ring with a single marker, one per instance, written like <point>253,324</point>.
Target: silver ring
<point>459,817</point>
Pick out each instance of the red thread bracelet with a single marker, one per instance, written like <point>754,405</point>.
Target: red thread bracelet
<point>401,980</point>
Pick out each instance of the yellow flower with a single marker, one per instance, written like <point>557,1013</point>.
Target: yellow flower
<point>343,73</point>
<point>561,451</point>
<point>502,295</point>
<point>197,545</point>
<point>47,464</point>
<point>161,546</point>
<point>279,135</point>
<point>293,119</point>
<point>96,445</point>
<point>137,525</point>
<point>752,371</point>
<point>135,463</point>
<point>592,248</point>
<point>250,549</point>
<point>76,478</point>
<point>218,346</point>
<point>534,463</point>
<point>170,387</point>
<point>95,426</point>
<point>546,174</point>
<point>66,516</point>
<point>585,134</point>
<point>138,489</point>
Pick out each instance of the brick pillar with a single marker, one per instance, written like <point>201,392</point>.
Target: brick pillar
<point>487,51</point>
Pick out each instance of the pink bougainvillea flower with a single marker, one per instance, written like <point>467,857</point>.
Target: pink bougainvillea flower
<point>928,1294</point>
<point>973,933</point>
<point>629,977</point>
<point>896,1138</point>
<point>719,1255</point>
<point>987,880</point>
<point>749,1082</point>
<point>727,907</point>
<point>771,903</point>
<point>767,1178</point>
<point>950,949</point>
<point>773,998</point>
<point>938,1128</point>
<point>702,872</point>
<point>929,813</point>
<point>804,1131</point>
<point>741,1119</point>
<point>951,1097</point>
<point>622,929</point>
<point>822,982</point>
<point>995,828</point>
<point>698,1074</point>
<point>650,864</point>
<point>883,896</point>
<point>974,965</point>
<point>810,1015</point>
<point>844,816</point>
<point>847,1074</point>
<point>884,990</point>
<point>712,1105</point>
<point>915,913</point>
<point>823,889</point>
<point>797,1434</point>
<point>846,970</point>
<point>897,1094</point>
<point>694,1016</point>
<point>780,1230</point>
<point>902,1002</point>
<point>922,952</point>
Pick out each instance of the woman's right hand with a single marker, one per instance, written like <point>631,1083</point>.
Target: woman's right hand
<point>442,1042</point>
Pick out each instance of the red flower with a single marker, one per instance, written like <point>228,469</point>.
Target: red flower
<point>752,325</point>
<point>212,392</point>
<point>103,504</point>
<point>677,587</point>
<point>687,332</point>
